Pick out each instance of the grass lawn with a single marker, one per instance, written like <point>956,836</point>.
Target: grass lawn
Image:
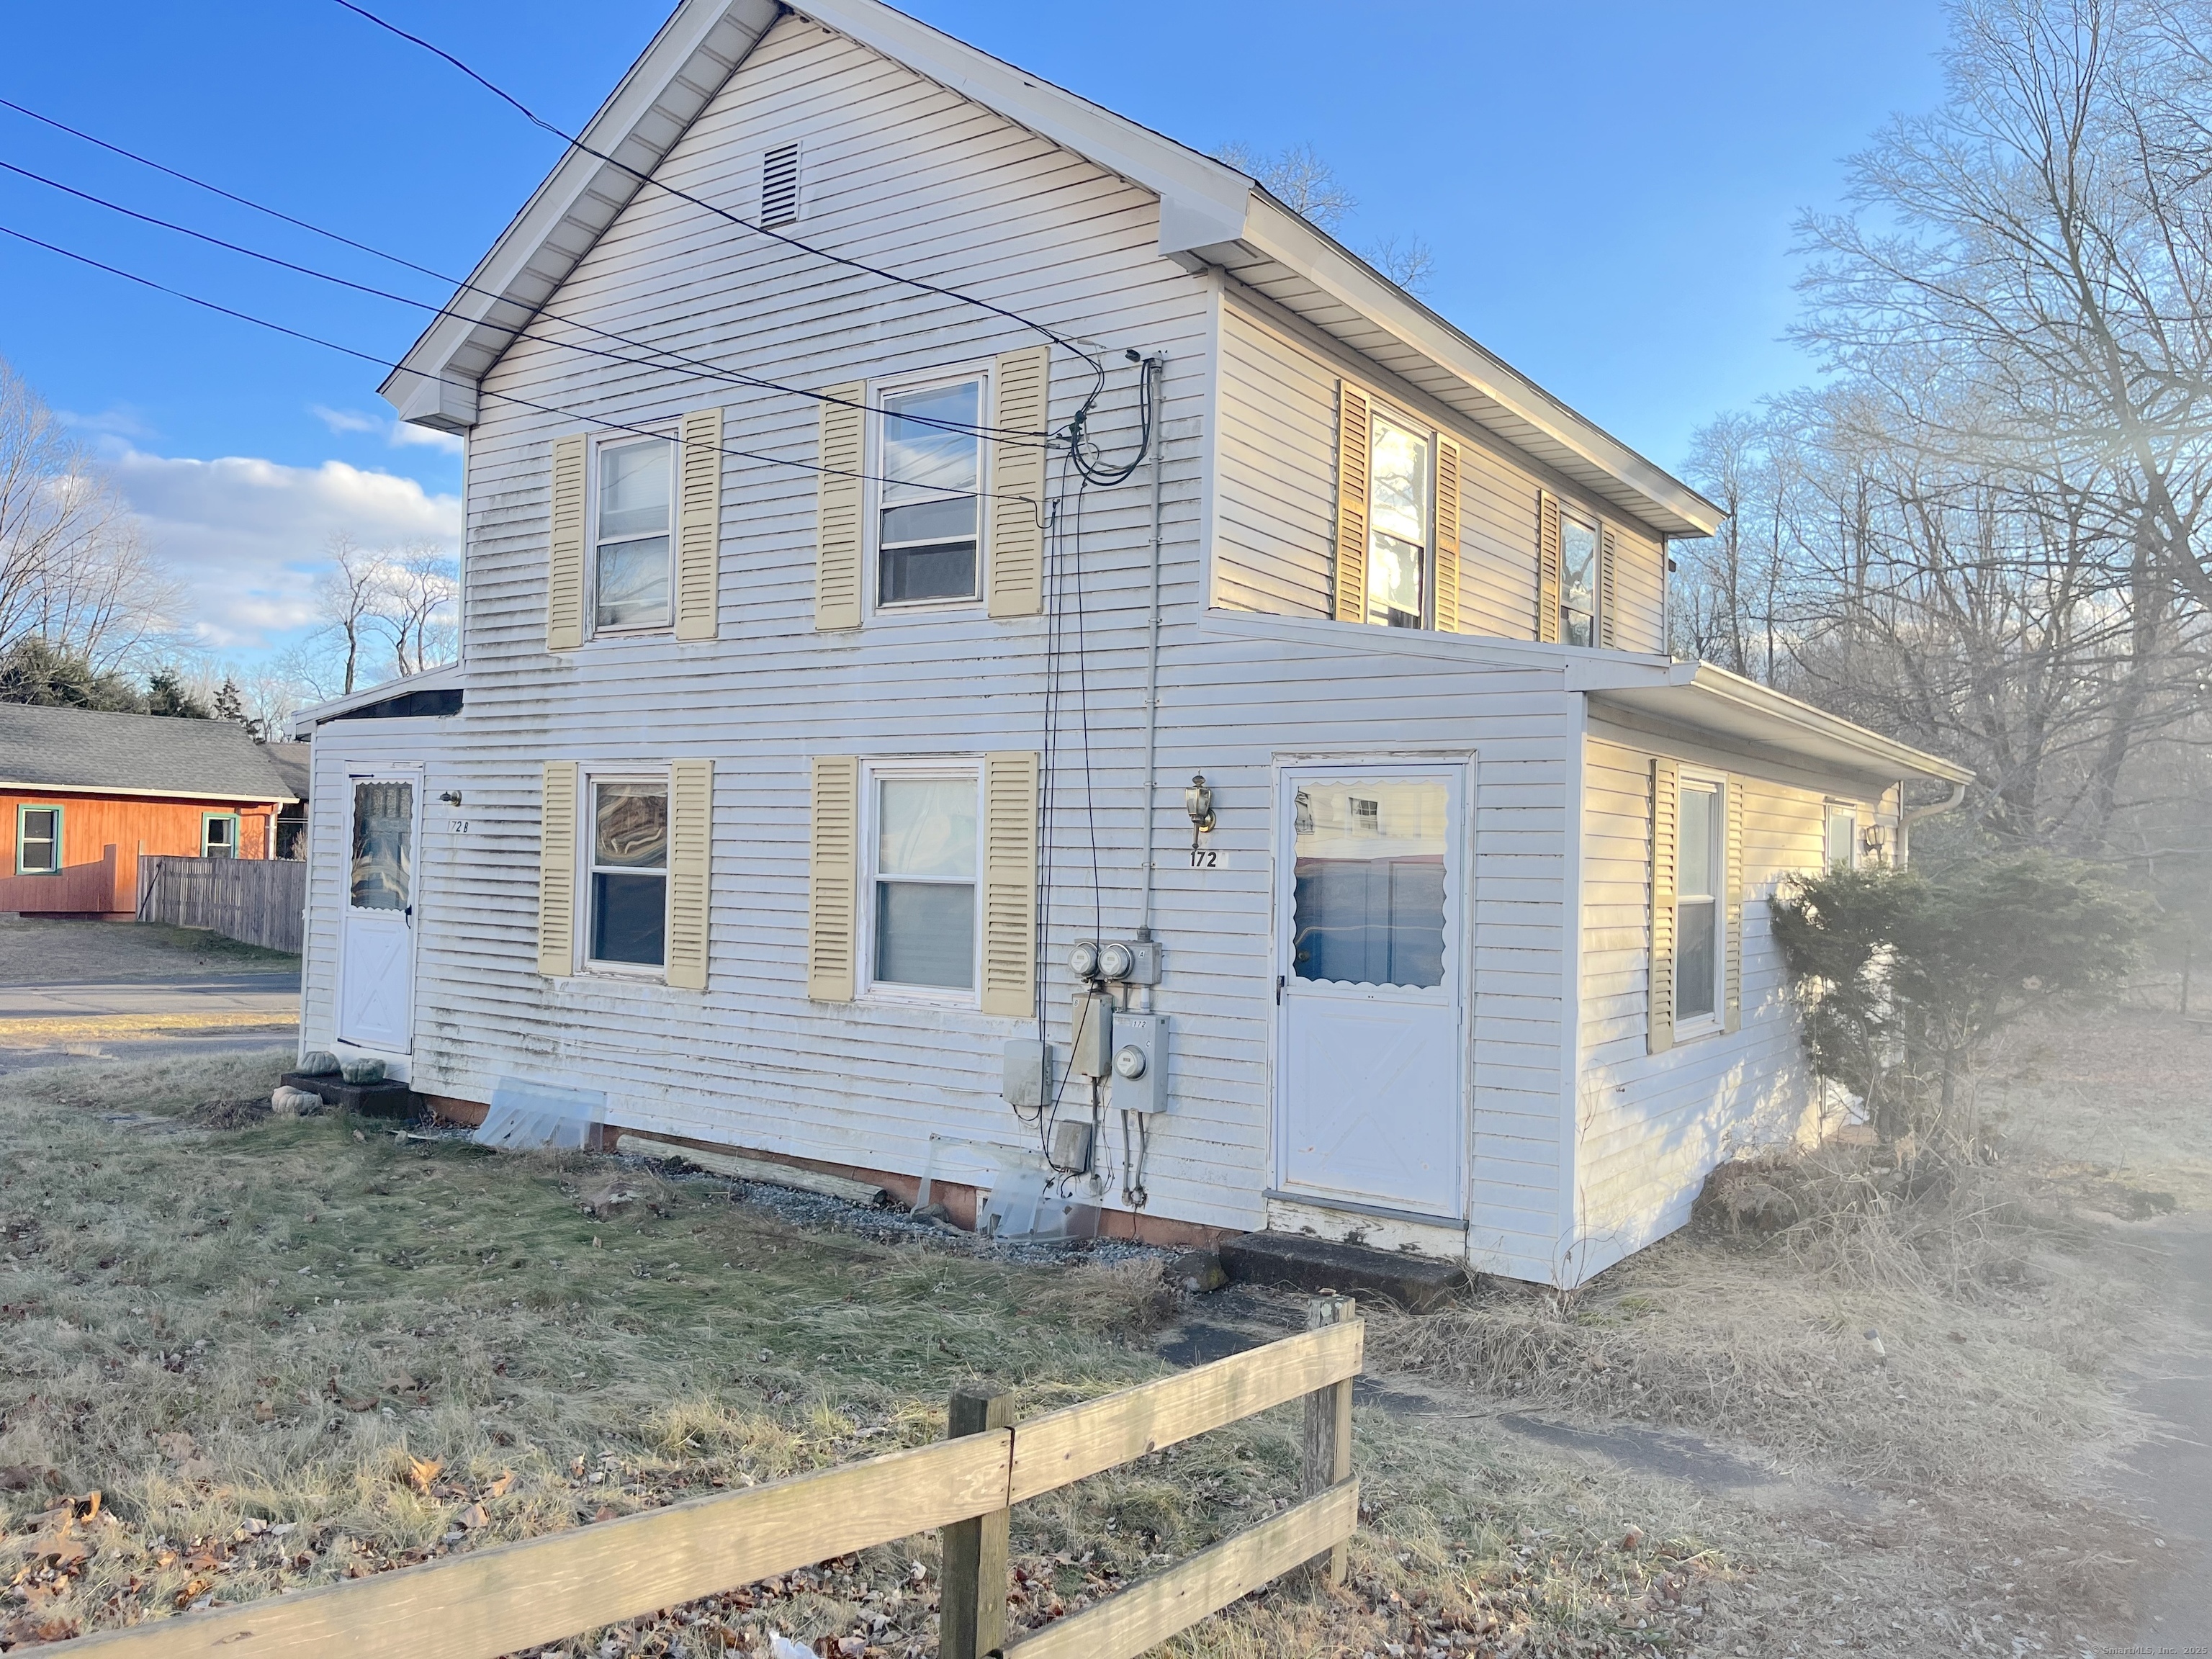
<point>285,1352</point>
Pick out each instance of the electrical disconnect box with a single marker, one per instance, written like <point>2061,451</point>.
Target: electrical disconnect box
<point>1025,1072</point>
<point>1090,1034</point>
<point>1070,1146</point>
<point>1140,1062</point>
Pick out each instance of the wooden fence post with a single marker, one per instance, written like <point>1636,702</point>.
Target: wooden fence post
<point>971,1609</point>
<point>1328,1433</point>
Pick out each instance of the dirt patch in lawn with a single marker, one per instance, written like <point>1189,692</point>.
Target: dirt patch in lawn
<point>37,951</point>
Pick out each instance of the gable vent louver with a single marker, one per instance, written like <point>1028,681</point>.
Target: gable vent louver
<point>779,186</point>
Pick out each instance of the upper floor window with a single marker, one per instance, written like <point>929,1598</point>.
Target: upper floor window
<point>1578,582</point>
<point>927,529</point>
<point>1400,467</point>
<point>630,535</point>
<point>37,841</point>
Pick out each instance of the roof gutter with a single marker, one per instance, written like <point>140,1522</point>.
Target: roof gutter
<point>1912,815</point>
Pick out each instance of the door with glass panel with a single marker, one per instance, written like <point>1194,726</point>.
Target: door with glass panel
<point>1369,1101</point>
<point>376,931</point>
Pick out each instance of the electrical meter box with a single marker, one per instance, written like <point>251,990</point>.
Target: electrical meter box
<point>1090,1034</point>
<point>1025,1072</point>
<point>1140,1062</point>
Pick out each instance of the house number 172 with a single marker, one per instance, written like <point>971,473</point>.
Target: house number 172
<point>1203,857</point>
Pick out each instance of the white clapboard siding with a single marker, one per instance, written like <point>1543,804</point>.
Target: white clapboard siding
<point>1652,1125</point>
<point>905,173</point>
<point>1276,503</point>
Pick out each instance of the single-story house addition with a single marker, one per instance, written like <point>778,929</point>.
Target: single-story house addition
<point>811,711</point>
<point>85,794</point>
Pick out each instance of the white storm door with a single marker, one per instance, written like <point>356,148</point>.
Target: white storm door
<point>1370,1109</point>
<point>376,944</point>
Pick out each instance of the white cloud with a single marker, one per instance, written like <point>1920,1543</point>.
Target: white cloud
<point>344,420</point>
<point>398,433</point>
<point>120,421</point>
<point>245,537</point>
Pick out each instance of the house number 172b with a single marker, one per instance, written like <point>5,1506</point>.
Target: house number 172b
<point>1203,857</point>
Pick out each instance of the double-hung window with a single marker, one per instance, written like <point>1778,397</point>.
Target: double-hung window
<point>1578,581</point>
<point>1840,837</point>
<point>1697,876</point>
<point>928,528</point>
<point>219,835</point>
<point>1401,470</point>
<point>630,536</point>
<point>37,841</point>
<point>922,880</point>
<point>629,873</point>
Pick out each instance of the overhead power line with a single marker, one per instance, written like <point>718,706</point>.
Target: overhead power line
<point>675,358</point>
<point>598,422</point>
<point>644,179</point>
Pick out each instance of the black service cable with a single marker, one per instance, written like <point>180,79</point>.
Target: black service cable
<point>600,421</point>
<point>575,143</point>
<point>676,359</point>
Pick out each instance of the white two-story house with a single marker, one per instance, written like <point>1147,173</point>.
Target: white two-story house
<point>891,481</point>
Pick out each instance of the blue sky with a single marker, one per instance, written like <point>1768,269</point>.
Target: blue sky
<point>1607,188</point>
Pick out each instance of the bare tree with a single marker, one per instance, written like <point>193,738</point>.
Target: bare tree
<point>73,570</point>
<point>414,604</point>
<point>1296,177</point>
<point>1408,261</point>
<point>346,597</point>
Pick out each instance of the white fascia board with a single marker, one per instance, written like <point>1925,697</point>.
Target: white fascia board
<point>1203,202</point>
<point>274,797</point>
<point>426,388</point>
<point>1276,234</point>
<point>302,721</point>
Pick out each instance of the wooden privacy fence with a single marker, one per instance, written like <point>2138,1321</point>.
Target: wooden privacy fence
<point>259,901</point>
<point>492,1602</point>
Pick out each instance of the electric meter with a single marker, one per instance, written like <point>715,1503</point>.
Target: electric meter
<point>1082,960</point>
<point>1115,961</point>
<point>1129,1062</point>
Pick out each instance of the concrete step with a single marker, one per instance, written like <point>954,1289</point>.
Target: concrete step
<point>1419,1284</point>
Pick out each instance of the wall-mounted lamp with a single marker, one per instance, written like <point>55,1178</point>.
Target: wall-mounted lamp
<point>1198,801</point>
<point>450,796</point>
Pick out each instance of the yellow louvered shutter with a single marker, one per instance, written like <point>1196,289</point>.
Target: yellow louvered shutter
<point>556,871</point>
<point>833,878</point>
<point>699,528</point>
<point>1607,586</point>
<point>1021,396</point>
<point>564,590</point>
<point>1447,535</point>
<point>1547,568</point>
<point>690,870</point>
<point>837,537</point>
<point>1666,812</point>
<point>1732,909</point>
<point>1010,884</point>
<point>1353,433</point>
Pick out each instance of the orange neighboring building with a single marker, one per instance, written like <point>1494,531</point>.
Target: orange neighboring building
<point>84,794</point>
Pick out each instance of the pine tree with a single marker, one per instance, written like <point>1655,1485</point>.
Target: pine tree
<point>37,671</point>
<point>167,694</point>
<point>230,702</point>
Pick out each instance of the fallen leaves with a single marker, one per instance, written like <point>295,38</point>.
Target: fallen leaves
<point>26,1477</point>
<point>422,1470</point>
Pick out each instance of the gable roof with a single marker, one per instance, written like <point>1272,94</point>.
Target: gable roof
<point>1211,215</point>
<point>85,748</point>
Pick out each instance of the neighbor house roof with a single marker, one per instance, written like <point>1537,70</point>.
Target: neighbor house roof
<point>291,761</point>
<point>1211,215</point>
<point>85,749</point>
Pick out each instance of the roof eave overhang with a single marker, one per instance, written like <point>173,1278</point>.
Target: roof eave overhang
<point>301,722</point>
<point>697,50</point>
<point>266,797</point>
<point>1707,699</point>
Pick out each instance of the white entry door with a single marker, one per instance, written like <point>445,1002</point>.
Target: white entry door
<point>376,946</point>
<point>1370,1111</point>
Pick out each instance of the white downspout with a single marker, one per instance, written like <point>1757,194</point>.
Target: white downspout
<point>1909,815</point>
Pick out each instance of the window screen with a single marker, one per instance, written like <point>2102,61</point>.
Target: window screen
<point>1369,904</point>
<point>1696,914</point>
<point>925,882</point>
<point>631,556</point>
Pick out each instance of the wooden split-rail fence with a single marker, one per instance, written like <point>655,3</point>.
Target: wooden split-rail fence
<point>494,1601</point>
